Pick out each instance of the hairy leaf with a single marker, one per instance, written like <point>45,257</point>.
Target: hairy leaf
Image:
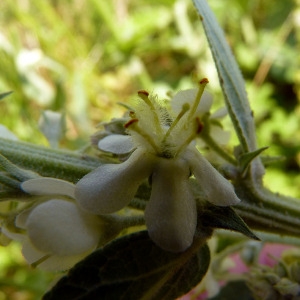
<point>230,78</point>
<point>233,85</point>
<point>246,158</point>
<point>133,267</point>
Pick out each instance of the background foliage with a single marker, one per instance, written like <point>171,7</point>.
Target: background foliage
<point>82,57</point>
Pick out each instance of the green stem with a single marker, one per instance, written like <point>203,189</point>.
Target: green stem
<point>219,150</point>
<point>261,209</point>
<point>49,162</point>
<point>265,211</point>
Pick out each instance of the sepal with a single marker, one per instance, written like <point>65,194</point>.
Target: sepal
<point>222,217</point>
<point>246,158</point>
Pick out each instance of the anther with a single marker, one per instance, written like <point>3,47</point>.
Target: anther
<point>130,122</point>
<point>204,81</point>
<point>132,114</point>
<point>199,125</point>
<point>143,93</point>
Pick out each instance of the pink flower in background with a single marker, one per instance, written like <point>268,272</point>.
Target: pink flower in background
<point>268,256</point>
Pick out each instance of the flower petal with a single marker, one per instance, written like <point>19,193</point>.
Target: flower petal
<point>48,186</point>
<point>30,253</point>
<point>61,263</point>
<point>171,214</point>
<point>22,217</point>
<point>116,143</point>
<point>220,113</point>
<point>218,190</point>
<point>51,124</point>
<point>188,96</point>
<point>219,135</point>
<point>5,133</point>
<point>205,103</point>
<point>52,263</point>
<point>59,227</point>
<point>13,235</point>
<point>111,187</point>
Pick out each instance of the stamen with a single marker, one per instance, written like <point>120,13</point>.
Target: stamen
<point>144,95</point>
<point>200,125</point>
<point>130,122</point>
<point>202,83</point>
<point>132,114</point>
<point>143,92</point>
<point>184,109</point>
<point>198,128</point>
<point>134,127</point>
<point>41,260</point>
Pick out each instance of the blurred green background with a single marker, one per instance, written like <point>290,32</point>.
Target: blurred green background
<point>81,57</point>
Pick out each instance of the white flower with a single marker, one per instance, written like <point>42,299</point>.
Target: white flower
<point>5,133</point>
<point>164,152</point>
<point>57,232</point>
<point>216,131</point>
<point>51,124</point>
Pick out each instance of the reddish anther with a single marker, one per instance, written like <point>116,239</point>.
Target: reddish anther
<point>130,122</point>
<point>204,80</point>
<point>199,125</point>
<point>143,93</point>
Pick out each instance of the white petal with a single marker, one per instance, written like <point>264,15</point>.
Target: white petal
<point>218,190</point>
<point>30,253</point>
<point>171,214</point>
<point>7,134</point>
<point>21,219</point>
<point>205,103</point>
<point>48,186</point>
<point>52,263</point>
<point>111,187</point>
<point>61,228</point>
<point>188,96</point>
<point>116,143</point>
<point>220,113</point>
<point>13,235</point>
<point>51,124</point>
<point>61,263</point>
<point>219,135</point>
<point>182,97</point>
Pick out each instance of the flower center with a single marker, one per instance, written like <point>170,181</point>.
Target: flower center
<point>152,127</point>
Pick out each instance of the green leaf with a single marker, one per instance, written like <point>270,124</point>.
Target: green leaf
<point>223,217</point>
<point>233,87</point>
<point>133,267</point>
<point>3,95</point>
<point>246,158</point>
<point>231,79</point>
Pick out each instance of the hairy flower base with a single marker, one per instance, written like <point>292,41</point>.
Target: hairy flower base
<point>171,211</point>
